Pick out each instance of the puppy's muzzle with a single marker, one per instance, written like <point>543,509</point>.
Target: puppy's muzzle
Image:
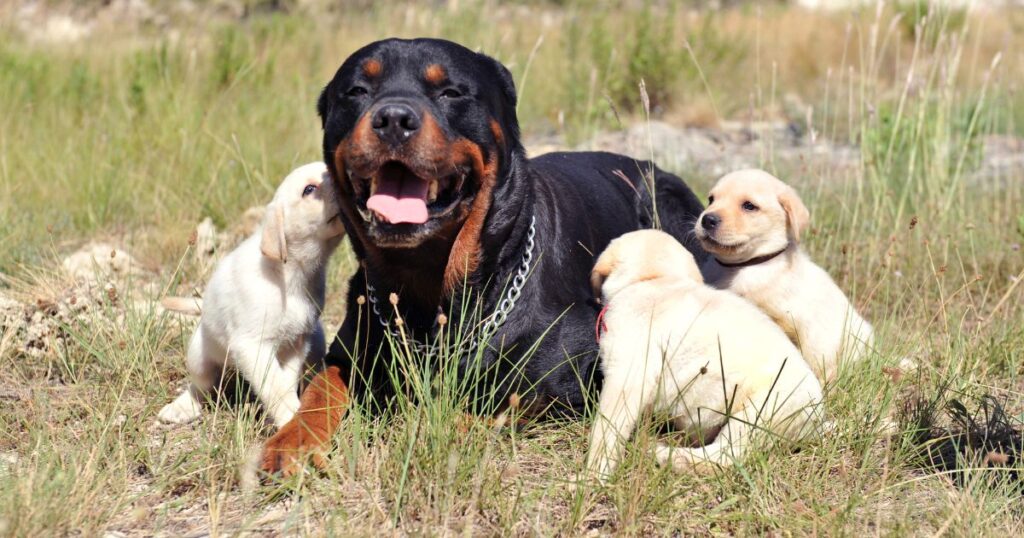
<point>710,221</point>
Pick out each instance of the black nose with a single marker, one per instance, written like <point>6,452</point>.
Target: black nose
<point>395,123</point>
<point>710,221</point>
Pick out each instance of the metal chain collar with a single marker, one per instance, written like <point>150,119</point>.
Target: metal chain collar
<point>494,321</point>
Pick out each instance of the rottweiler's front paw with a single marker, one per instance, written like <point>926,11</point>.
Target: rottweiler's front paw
<point>287,452</point>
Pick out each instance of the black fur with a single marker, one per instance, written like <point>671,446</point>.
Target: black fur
<point>581,201</point>
<point>983,439</point>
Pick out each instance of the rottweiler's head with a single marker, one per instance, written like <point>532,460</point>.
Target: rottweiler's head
<point>417,133</point>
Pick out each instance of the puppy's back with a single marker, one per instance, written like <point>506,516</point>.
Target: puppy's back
<point>751,339</point>
<point>242,293</point>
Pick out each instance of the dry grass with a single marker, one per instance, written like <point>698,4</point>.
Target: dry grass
<point>135,138</point>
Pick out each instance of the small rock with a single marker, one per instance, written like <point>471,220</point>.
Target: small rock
<point>61,29</point>
<point>207,239</point>
<point>12,314</point>
<point>98,261</point>
<point>8,304</point>
<point>251,220</point>
<point>8,460</point>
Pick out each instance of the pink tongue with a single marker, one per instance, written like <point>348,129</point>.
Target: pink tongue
<point>400,199</point>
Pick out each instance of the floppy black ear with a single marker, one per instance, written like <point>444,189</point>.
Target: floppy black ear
<point>508,97</point>
<point>321,106</point>
<point>508,85</point>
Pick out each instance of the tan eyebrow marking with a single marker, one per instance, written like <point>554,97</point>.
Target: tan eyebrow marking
<point>372,68</point>
<point>435,74</point>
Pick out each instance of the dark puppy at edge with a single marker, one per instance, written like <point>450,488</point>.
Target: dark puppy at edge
<point>437,197</point>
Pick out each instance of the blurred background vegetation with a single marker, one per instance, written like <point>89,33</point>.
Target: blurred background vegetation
<point>125,116</point>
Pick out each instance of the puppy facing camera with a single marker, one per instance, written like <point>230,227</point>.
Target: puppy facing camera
<point>752,227</point>
<point>260,313</point>
<point>751,215</point>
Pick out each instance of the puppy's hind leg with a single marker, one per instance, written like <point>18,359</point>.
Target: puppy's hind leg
<point>792,414</point>
<point>204,361</point>
<point>729,445</point>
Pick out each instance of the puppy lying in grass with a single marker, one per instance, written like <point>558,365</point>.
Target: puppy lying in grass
<point>752,228</point>
<point>708,358</point>
<point>261,308</point>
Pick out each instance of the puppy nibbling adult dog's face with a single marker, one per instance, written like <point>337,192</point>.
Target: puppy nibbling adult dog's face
<point>750,213</point>
<point>303,213</point>
<point>416,132</point>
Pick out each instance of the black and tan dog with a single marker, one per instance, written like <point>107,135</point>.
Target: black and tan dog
<point>439,200</point>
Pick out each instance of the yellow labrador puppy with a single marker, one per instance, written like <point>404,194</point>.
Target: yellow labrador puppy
<point>752,227</point>
<point>261,308</point>
<point>708,358</point>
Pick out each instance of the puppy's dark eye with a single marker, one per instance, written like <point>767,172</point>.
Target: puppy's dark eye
<point>310,189</point>
<point>450,93</point>
<point>711,199</point>
<point>747,206</point>
<point>356,91</point>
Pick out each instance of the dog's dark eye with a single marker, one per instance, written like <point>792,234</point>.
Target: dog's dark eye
<point>747,206</point>
<point>356,91</point>
<point>450,93</point>
<point>711,199</point>
<point>310,189</point>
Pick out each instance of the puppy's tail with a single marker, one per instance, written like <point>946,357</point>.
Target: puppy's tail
<point>192,306</point>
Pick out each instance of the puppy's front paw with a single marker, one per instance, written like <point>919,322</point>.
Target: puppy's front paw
<point>285,411</point>
<point>291,447</point>
<point>182,410</point>
<point>602,474</point>
<point>599,467</point>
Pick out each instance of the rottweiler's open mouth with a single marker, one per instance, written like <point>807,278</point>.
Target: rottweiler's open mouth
<point>394,194</point>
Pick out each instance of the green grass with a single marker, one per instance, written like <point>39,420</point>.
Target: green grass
<point>134,138</point>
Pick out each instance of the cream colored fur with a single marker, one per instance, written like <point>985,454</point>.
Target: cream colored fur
<point>798,294</point>
<point>708,358</point>
<point>261,308</point>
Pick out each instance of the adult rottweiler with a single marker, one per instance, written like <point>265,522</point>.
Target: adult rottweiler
<point>444,210</point>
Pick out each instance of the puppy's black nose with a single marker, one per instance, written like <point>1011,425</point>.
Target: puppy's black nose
<point>395,123</point>
<point>710,221</point>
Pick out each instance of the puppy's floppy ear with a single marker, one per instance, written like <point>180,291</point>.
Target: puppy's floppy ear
<point>603,268</point>
<point>272,244</point>
<point>797,216</point>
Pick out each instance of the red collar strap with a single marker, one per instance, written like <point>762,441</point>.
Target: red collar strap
<point>600,327</point>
